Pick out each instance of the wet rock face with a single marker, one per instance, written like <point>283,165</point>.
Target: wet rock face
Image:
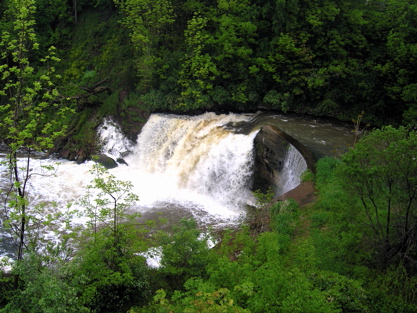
<point>271,148</point>
<point>270,152</point>
<point>80,156</point>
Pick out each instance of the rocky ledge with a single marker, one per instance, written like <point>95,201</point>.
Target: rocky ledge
<point>271,149</point>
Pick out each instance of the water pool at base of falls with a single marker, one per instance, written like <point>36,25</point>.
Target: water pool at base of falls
<point>180,166</point>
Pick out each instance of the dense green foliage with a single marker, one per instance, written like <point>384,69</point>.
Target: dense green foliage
<point>127,57</point>
<point>382,171</point>
<point>351,251</point>
<point>32,116</point>
<point>321,57</point>
<point>354,250</point>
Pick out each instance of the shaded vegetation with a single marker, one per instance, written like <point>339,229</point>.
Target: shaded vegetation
<point>327,256</point>
<point>322,57</point>
<point>355,250</point>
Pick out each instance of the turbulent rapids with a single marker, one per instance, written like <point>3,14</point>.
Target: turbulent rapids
<point>199,166</point>
<point>195,162</point>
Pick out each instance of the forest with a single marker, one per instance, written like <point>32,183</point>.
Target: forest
<point>66,64</point>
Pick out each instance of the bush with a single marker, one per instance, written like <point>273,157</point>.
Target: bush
<point>185,253</point>
<point>109,273</point>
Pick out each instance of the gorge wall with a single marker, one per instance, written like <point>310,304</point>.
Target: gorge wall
<point>279,160</point>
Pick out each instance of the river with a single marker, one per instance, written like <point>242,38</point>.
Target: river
<point>181,166</point>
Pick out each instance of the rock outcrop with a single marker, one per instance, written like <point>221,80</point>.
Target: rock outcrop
<point>271,149</point>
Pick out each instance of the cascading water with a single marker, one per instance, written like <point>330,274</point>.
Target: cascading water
<point>195,162</point>
<point>114,143</point>
<point>180,166</point>
<point>200,166</point>
<point>294,166</point>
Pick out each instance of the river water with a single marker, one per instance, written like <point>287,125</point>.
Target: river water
<point>181,166</point>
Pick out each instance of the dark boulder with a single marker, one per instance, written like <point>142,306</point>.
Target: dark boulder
<point>106,161</point>
<point>271,148</point>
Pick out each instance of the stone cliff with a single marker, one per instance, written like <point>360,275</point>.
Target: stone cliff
<point>271,150</point>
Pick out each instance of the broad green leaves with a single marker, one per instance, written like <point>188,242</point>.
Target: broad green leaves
<point>262,274</point>
<point>185,253</point>
<point>108,260</point>
<point>107,201</point>
<point>321,57</point>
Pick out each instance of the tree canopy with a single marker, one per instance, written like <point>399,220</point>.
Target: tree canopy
<point>355,250</point>
<point>382,171</point>
<point>321,57</point>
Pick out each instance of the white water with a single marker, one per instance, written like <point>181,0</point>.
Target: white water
<point>114,143</point>
<point>180,166</point>
<point>294,166</point>
<point>193,161</point>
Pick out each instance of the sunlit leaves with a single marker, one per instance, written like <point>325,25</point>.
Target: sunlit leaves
<point>147,20</point>
<point>218,55</point>
<point>107,201</point>
<point>30,119</point>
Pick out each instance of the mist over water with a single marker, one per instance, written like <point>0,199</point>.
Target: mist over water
<point>180,166</point>
<point>194,162</point>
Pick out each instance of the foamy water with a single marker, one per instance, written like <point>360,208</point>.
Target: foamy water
<point>181,166</point>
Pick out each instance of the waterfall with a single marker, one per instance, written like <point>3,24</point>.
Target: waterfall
<point>193,166</point>
<point>181,166</point>
<point>193,161</point>
<point>294,166</point>
<point>113,142</point>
